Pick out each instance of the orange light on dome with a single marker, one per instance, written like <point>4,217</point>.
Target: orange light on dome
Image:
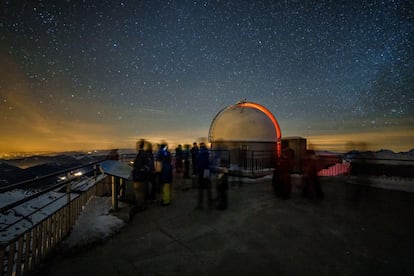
<point>271,117</point>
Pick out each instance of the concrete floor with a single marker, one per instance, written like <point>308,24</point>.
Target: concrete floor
<point>355,230</point>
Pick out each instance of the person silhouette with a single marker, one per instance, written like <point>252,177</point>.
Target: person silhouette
<point>204,183</point>
<point>310,176</point>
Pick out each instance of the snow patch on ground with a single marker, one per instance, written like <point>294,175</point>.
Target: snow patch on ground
<point>94,224</point>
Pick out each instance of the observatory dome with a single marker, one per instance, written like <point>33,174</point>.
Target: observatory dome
<point>244,121</point>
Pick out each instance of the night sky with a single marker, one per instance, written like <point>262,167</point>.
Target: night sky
<point>103,74</point>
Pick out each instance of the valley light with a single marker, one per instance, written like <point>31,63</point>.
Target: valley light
<point>77,173</point>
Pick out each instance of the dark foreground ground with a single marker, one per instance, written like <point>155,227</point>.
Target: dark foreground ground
<point>355,230</point>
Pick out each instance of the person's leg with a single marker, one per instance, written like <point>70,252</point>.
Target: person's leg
<point>318,189</point>
<point>200,193</point>
<point>139,195</point>
<point>209,194</point>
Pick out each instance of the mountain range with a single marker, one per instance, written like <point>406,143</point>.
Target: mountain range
<point>18,170</point>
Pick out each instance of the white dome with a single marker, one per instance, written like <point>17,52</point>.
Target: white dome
<point>244,122</point>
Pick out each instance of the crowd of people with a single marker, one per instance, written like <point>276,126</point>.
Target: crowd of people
<point>152,174</point>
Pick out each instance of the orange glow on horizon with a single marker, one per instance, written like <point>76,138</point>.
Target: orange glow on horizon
<point>395,140</point>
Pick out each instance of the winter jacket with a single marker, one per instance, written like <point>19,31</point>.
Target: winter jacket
<point>141,167</point>
<point>203,159</point>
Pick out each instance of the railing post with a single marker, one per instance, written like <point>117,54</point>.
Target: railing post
<point>68,209</point>
<point>114,193</point>
<point>2,254</point>
<point>252,162</point>
<point>10,262</point>
<point>68,191</point>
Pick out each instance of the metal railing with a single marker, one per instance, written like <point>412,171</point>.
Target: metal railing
<point>23,251</point>
<point>403,168</point>
<point>388,167</point>
<point>245,163</point>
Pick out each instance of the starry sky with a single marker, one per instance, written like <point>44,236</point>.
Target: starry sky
<point>102,74</point>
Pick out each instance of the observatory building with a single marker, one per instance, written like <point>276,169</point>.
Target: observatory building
<point>248,137</point>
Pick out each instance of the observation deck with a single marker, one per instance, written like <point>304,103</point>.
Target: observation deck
<point>355,230</point>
